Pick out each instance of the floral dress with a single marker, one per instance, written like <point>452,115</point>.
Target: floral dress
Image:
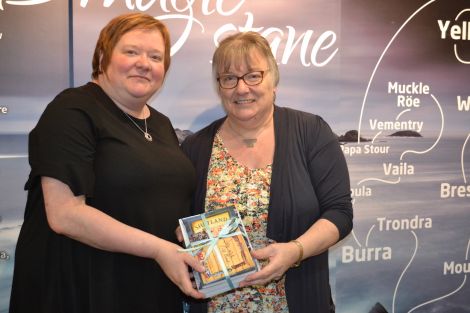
<point>232,183</point>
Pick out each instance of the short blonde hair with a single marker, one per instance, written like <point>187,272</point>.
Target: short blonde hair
<point>116,28</point>
<point>236,49</point>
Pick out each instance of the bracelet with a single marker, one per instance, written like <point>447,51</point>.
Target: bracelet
<point>301,253</point>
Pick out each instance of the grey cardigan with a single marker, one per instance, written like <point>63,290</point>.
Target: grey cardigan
<point>309,181</point>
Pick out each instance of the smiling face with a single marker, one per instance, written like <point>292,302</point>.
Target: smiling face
<point>136,68</point>
<point>248,103</point>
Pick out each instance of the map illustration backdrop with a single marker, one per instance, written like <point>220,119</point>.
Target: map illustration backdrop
<point>390,77</point>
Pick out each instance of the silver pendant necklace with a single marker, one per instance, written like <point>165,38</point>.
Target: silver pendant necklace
<point>146,133</point>
<point>249,142</point>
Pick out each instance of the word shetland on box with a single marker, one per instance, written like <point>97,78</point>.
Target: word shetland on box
<point>218,238</point>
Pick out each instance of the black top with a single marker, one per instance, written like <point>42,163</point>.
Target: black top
<point>310,180</point>
<point>84,140</point>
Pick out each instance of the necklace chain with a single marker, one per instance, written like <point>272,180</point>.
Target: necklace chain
<point>146,133</point>
<point>248,142</point>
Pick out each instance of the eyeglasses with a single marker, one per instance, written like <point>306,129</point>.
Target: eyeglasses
<point>230,81</point>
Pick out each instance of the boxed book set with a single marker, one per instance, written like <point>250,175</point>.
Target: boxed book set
<point>218,238</point>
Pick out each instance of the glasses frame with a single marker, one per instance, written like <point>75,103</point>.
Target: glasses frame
<point>242,78</point>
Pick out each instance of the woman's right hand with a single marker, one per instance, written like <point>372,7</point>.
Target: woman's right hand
<point>175,265</point>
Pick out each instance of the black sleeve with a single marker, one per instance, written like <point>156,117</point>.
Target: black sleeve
<point>330,177</point>
<point>198,148</point>
<point>62,145</point>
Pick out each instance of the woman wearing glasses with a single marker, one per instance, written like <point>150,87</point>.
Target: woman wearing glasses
<point>285,173</point>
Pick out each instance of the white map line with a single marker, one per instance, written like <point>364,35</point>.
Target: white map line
<point>403,273</point>
<point>368,234</point>
<point>462,159</point>
<point>450,293</point>
<point>380,60</point>
<point>440,298</point>
<point>438,138</point>
<point>367,237</point>
<point>380,180</point>
<point>468,248</point>
<point>23,2</point>
<point>458,57</point>
<point>455,45</point>
<point>376,135</point>
<point>26,2</point>
<point>463,11</point>
<point>355,238</point>
<point>13,156</point>
<point>401,113</point>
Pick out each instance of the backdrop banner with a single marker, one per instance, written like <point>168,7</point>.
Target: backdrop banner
<point>389,76</point>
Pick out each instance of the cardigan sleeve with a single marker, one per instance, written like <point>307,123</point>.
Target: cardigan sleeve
<point>330,177</point>
<point>198,148</point>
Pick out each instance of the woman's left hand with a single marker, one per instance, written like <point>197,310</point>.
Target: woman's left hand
<point>281,257</point>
